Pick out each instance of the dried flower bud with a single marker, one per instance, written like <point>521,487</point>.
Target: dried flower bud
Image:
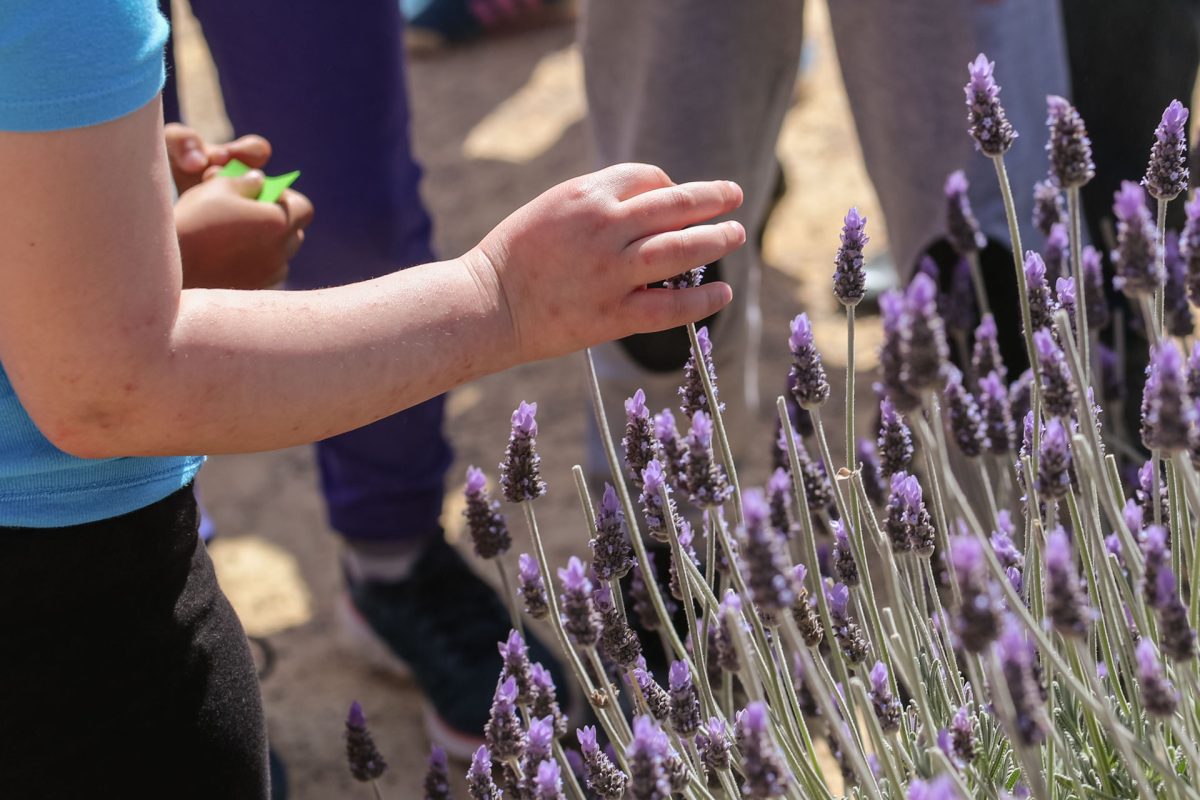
<point>1167,173</point>
<point>988,124</point>
<point>1069,147</point>
<point>849,278</point>
<point>366,764</point>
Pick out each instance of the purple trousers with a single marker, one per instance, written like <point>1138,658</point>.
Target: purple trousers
<point>325,83</point>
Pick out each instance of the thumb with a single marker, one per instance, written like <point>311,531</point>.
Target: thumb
<point>249,185</point>
<point>186,149</point>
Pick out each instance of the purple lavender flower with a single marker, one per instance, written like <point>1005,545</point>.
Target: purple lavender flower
<point>1178,638</point>
<point>872,473</point>
<point>895,440</point>
<point>1048,208</point>
<point>545,699</point>
<point>1158,695</point>
<point>612,554</point>
<point>547,782</point>
<point>1069,147</point>
<point>672,449</point>
<point>1155,555</point>
<point>779,499</point>
<point>505,735</point>
<point>689,279</point>
<point>988,124</point>
<point>713,745</point>
<point>766,774</point>
<point>489,531</point>
<point>1054,462</point>
<point>437,778</point>
<point>922,338</point>
<point>1166,415</point>
<point>769,581</point>
<point>962,229</point>
<point>705,478</point>
<point>678,772</point>
<point>963,743</point>
<point>653,511</point>
<point>691,391</point>
<point>1066,604</point>
<point>600,773</point>
<point>891,358</point>
<point>1092,265</point>
<point>646,756</point>
<point>1167,173</point>
<point>1055,252</point>
<point>657,699</point>
<point>729,613</point>
<point>809,386</point>
<point>997,414</point>
<point>1041,304</point>
<point>480,785</point>
<point>849,278</point>
<point>1065,295</point>
<point>638,442</point>
<point>685,701</point>
<point>964,420</point>
<point>978,621</point>
<point>579,618</point>
<point>1016,656</point>
<point>539,738</point>
<point>515,656</point>
<point>907,523</point>
<point>985,356</point>
<point>1189,249</point>
<point>366,764</point>
<point>1179,320</point>
<point>804,610</point>
<point>532,589</point>
<point>887,707</point>
<point>1058,391</point>
<point>1002,542</point>
<point>1145,493</point>
<point>941,787</point>
<point>618,643</point>
<point>520,471</point>
<point>1136,256</point>
<point>689,552</point>
<point>845,629</point>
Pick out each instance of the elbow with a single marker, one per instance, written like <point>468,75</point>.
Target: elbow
<point>88,431</point>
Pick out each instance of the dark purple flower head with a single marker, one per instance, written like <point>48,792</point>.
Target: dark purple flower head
<point>366,764</point>
<point>520,471</point>
<point>704,477</point>
<point>1002,542</point>
<point>686,280</point>
<point>1189,248</point>
<point>691,392</point>
<point>962,229</point>
<point>516,664</point>
<point>891,358</point>
<point>966,423</point>
<point>764,557</point>
<point>480,785</point>
<point>545,698</point>
<point>810,387</point>
<point>978,620</point>
<point>713,744</point>
<point>1167,416</point>
<point>1167,173</point>
<point>1048,208</point>
<point>1136,257</point>
<point>1158,695</point>
<point>1093,288</point>
<point>845,568</point>
<point>580,619</point>
<point>1056,252</point>
<point>1179,320</point>
<point>505,735</point>
<point>612,554</point>
<point>987,122</point>
<point>887,707</point>
<point>646,756</point>
<point>922,338</point>
<point>531,588</point>
<point>1069,147</point>
<point>618,643</point>
<point>1017,665</point>
<point>986,353</point>
<point>601,775</point>
<point>1054,462</point>
<point>489,531</point>
<point>895,444</point>
<point>547,782</point>
<point>849,278</point>
<point>941,787</point>
<point>779,498</point>
<point>638,442</point>
<point>1058,390</point>
<point>997,414</point>
<point>765,773</point>
<point>907,522</point>
<point>1176,635</point>
<point>1066,604</point>
<point>1041,303</point>
<point>672,449</point>
<point>845,629</point>
<point>685,701</point>
<point>962,736</point>
<point>540,738</point>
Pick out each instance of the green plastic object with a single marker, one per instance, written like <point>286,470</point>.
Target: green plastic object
<point>272,187</point>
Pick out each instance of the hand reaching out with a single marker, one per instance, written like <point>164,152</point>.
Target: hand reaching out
<point>571,267</point>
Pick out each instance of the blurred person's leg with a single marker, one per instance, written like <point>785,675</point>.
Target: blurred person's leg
<point>905,66</point>
<point>698,87</point>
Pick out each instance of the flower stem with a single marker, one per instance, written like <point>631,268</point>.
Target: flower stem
<point>510,597</point>
<point>1081,324</point>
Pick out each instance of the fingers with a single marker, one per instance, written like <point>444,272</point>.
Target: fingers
<point>649,310</point>
<point>628,180</point>
<point>253,151</point>
<point>249,185</point>
<point>674,207</point>
<point>298,208</point>
<point>663,255</point>
<point>185,148</point>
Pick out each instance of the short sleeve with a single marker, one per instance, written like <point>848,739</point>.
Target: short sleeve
<point>73,63</point>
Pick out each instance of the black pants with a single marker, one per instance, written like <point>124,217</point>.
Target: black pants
<point>124,671</point>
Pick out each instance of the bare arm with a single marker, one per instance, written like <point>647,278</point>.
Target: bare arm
<point>111,357</point>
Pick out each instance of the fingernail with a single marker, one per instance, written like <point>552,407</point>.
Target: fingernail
<point>192,159</point>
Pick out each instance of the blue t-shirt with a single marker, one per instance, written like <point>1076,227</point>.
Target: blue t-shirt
<point>69,64</point>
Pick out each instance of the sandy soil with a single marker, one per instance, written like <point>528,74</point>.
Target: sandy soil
<point>495,123</point>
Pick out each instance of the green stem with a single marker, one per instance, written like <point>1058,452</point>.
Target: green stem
<point>1081,324</point>
<point>710,393</point>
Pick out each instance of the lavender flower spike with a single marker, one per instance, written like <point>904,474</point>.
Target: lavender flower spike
<point>480,785</point>
<point>653,511</point>
<point>1178,638</point>
<point>845,568</point>
<point>1136,257</point>
<point>504,733</point>
<point>907,523</point>
<point>618,643</point>
<point>1069,147</point>
<point>1066,605</point>
<point>671,449</point>
<point>601,775</point>
<point>1017,667</point>
<point>579,617</point>
<point>942,787</point>
<point>437,778</point>
<point>965,420</point>
<point>985,356</point>
<point>646,756</point>
<point>987,122</point>
<point>810,388</point>
<point>895,445</point>
<point>887,707</point>
<point>765,562</point>
<point>962,229</point>
<point>612,554</point>
<point>545,699</point>
<point>366,764</point>
<point>1189,249</point>
<point>489,531</point>
<point>547,783</point>
<point>531,588</point>
<point>713,745</point>
<point>515,655</point>
<point>1041,303</point>
<point>922,338</point>
<point>1092,265</point>
<point>1048,208</point>
<point>1167,416</point>
<point>978,620</point>
<point>691,391</point>
<point>520,471</point>
<point>707,484</point>
<point>893,309</point>
<point>996,410</point>
<point>639,443</point>
<point>1055,251</point>
<point>1058,391</point>
<point>685,701</point>
<point>1167,173</point>
<point>845,629</point>
<point>849,278</point>
<point>962,736</point>
<point>686,280</point>
<point>1158,695</point>
<point>765,772</point>
<point>1054,462</point>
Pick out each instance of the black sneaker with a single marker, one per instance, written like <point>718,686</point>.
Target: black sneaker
<point>441,627</point>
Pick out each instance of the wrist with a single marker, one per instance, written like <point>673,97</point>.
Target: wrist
<point>505,341</point>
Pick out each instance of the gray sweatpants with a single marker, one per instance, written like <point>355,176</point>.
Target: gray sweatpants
<point>700,88</point>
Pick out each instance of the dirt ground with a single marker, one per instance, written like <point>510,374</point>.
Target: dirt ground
<point>495,123</point>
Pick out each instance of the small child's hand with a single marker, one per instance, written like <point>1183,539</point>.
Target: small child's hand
<point>190,156</point>
<point>571,267</point>
<point>229,240</point>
